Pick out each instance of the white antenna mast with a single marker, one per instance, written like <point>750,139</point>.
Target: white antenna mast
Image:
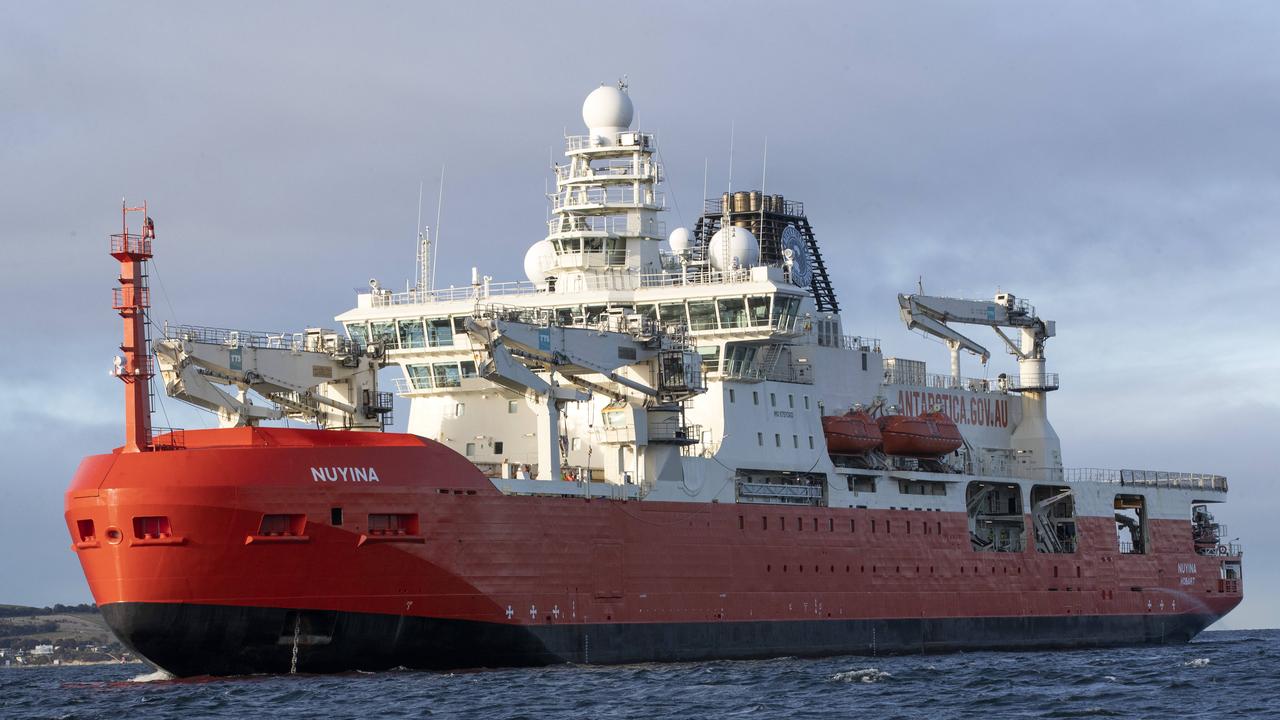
<point>764,196</point>
<point>424,248</point>
<point>439,209</point>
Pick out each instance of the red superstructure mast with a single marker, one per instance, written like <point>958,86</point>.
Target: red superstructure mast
<point>131,300</point>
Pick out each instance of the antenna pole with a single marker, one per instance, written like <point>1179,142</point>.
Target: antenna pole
<point>435,247</point>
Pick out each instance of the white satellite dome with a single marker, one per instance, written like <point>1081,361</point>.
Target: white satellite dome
<point>538,261</point>
<point>607,110</point>
<point>733,247</point>
<point>679,240</point>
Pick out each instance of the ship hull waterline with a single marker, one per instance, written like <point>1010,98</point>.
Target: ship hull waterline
<point>190,640</point>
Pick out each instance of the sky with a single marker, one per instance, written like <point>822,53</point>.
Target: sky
<point>1114,162</point>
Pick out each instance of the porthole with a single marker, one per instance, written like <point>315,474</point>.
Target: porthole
<point>114,536</point>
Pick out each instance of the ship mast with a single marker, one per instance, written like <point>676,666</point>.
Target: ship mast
<point>605,206</point>
<point>131,300</point>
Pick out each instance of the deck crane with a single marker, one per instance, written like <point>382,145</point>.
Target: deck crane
<point>316,376</point>
<point>526,351</point>
<point>1034,438</point>
<point>932,314</point>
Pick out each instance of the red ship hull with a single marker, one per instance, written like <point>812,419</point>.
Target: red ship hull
<point>487,579</point>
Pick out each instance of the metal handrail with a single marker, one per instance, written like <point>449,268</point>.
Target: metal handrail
<point>1144,478</point>
<point>1043,381</point>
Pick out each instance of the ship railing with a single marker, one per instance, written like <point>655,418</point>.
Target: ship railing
<point>1042,381</point>
<point>324,341</point>
<point>857,342</point>
<point>168,438</point>
<point>1144,478</point>
<point>1230,549</point>
<point>610,170</point>
<point>625,139</point>
<point>612,196</point>
<point>453,294</point>
<point>950,382</point>
<point>744,203</point>
<point>570,224</point>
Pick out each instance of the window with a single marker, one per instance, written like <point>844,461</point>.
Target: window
<point>439,332</point>
<point>459,410</point>
<point>497,447</point>
<point>411,334</point>
<point>733,312</point>
<point>810,442</point>
<point>702,315</point>
<point>795,442</point>
<point>419,376</point>
<point>755,397</point>
<point>791,401</point>
<point>471,450</point>
<point>806,402</point>
<point>773,400</point>
<point>576,444</point>
<point>760,439</point>
<point>731,395</point>
<point>384,332</point>
<point>777,440</point>
<point>446,375</point>
<point>710,358</point>
<point>512,407</point>
<point>358,332</point>
<point>468,368</point>
<point>758,309</point>
<point>335,516</point>
<point>672,313</point>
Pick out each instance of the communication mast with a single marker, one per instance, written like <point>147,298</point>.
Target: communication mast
<point>131,299</point>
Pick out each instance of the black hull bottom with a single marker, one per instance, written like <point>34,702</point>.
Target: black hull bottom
<point>189,640</point>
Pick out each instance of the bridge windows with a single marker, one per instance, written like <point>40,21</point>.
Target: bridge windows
<point>1053,515</point>
<point>411,333</point>
<point>383,332</point>
<point>758,309</point>
<point>733,312</point>
<point>439,332</point>
<point>1131,524</point>
<point>359,333</point>
<point>702,315</point>
<point>996,523</point>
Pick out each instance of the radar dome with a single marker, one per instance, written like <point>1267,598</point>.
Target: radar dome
<point>733,248</point>
<point>607,110</point>
<point>679,240</point>
<point>539,260</point>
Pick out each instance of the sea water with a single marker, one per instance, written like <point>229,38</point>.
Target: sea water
<point>1220,675</point>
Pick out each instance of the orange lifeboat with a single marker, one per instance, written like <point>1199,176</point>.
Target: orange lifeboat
<point>930,435</point>
<point>853,433</point>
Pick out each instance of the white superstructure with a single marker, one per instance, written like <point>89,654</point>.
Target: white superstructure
<point>748,292</point>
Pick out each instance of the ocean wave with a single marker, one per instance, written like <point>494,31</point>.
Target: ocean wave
<point>1197,662</point>
<point>866,675</point>
<point>157,676</point>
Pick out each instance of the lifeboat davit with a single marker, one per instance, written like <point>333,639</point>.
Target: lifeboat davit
<point>929,435</point>
<point>853,433</point>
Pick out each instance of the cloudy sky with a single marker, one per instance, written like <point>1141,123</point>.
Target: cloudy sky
<point>1116,162</point>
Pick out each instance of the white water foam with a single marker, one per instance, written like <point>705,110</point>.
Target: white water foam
<point>1198,662</point>
<point>157,676</point>
<point>866,675</point>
